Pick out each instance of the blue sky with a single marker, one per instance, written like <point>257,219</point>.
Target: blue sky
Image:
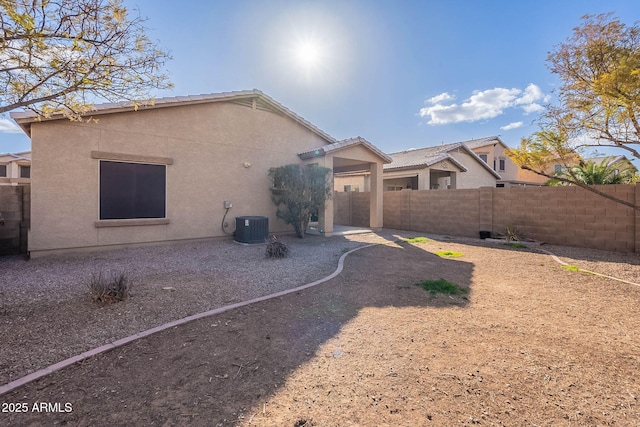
<point>401,74</point>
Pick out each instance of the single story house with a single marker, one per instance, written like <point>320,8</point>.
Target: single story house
<point>169,171</point>
<point>15,168</point>
<point>475,163</point>
<point>447,166</point>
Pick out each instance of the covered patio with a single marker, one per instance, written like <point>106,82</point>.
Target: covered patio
<point>349,155</point>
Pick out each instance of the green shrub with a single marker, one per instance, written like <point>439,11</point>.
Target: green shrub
<point>571,267</point>
<point>442,286</point>
<point>299,191</point>
<point>107,290</point>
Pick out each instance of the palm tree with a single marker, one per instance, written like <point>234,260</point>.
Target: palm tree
<point>592,173</point>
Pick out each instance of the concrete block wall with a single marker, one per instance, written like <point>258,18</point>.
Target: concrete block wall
<point>568,216</point>
<point>341,208</point>
<point>15,204</point>
<point>360,212</point>
<point>351,208</point>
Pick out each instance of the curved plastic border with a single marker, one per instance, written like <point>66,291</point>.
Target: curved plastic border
<point>119,343</point>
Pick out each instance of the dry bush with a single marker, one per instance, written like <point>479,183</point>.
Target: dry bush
<point>107,290</point>
<point>276,249</point>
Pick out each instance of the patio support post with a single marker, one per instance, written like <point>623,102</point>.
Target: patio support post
<point>375,199</point>
<point>423,179</point>
<point>325,218</point>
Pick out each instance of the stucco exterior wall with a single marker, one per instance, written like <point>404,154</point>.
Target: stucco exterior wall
<point>497,152</point>
<point>359,181</point>
<point>219,151</point>
<point>476,175</point>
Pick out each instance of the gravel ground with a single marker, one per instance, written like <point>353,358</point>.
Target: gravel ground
<point>46,314</point>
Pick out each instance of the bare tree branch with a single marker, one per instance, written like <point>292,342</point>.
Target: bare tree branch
<point>58,56</point>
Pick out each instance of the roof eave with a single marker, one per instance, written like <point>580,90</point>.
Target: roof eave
<point>25,118</point>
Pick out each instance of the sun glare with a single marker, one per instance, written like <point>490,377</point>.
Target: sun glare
<point>308,54</point>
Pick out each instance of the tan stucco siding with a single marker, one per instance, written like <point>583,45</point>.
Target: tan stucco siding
<point>359,181</point>
<point>475,176</point>
<point>220,151</point>
<point>497,152</point>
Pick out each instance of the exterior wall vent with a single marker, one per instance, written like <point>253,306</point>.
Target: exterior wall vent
<point>252,229</point>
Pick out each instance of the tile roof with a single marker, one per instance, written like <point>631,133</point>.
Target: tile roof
<point>482,142</point>
<point>25,118</point>
<point>609,159</point>
<point>421,156</point>
<point>25,155</point>
<point>358,140</point>
<point>424,157</point>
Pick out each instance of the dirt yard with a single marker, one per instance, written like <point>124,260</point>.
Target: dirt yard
<point>531,344</point>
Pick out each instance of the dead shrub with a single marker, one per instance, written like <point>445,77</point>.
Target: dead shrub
<point>107,290</point>
<point>276,249</point>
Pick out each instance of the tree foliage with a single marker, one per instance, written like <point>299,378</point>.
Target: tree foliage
<point>599,67</point>
<point>591,173</point>
<point>59,56</point>
<point>599,97</point>
<point>298,191</point>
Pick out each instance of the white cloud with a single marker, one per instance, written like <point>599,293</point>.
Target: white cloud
<point>531,94</point>
<point>532,108</point>
<point>514,125</point>
<point>482,105</point>
<point>7,126</point>
<point>440,98</point>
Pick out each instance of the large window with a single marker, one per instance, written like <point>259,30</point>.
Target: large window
<point>25,171</point>
<point>3,171</point>
<point>132,190</point>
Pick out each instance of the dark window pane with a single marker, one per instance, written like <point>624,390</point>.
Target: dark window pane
<point>132,190</point>
<point>25,171</point>
<point>3,170</point>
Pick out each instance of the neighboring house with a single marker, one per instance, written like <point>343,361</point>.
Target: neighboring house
<point>621,162</point>
<point>492,150</point>
<point>15,168</point>
<point>448,166</point>
<point>443,167</point>
<point>168,171</point>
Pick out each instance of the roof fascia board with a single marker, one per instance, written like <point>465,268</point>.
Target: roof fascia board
<point>25,119</point>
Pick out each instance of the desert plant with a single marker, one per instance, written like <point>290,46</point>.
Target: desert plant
<point>591,173</point>
<point>513,234</point>
<point>298,191</point>
<point>276,248</point>
<point>442,286</point>
<point>107,290</point>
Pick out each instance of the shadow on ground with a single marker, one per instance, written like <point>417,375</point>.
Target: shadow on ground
<point>211,371</point>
